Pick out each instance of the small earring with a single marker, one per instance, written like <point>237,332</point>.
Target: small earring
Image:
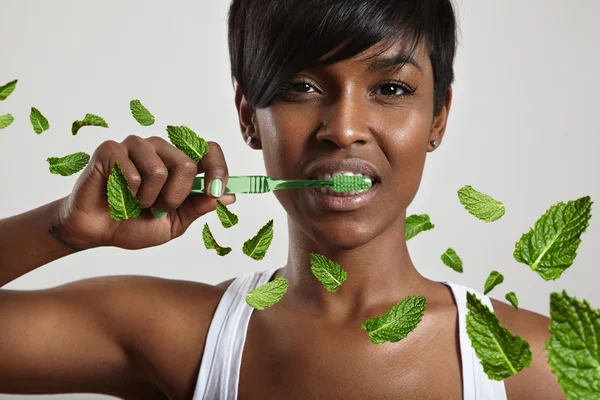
<point>434,144</point>
<point>248,140</point>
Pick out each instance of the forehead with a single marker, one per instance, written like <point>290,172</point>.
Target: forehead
<point>386,55</point>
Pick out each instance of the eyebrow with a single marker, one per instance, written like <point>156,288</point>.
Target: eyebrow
<point>399,59</point>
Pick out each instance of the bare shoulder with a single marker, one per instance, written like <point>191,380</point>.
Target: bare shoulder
<point>163,324</point>
<point>536,381</point>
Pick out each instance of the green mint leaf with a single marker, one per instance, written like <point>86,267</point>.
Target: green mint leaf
<point>512,299</point>
<point>6,120</point>
<point>573,349</point>
<point>141,113</point>
<point>480,205</point>
<point>211,243</point>
<point>38,121</point>
<point>267,294</point>
<point>492,281</point>
<point>187,141</point>
<point>451,259</point>
<point>7,89</point>
<point>257,246</point>
<point>227,218</point>
<point>328,272</point>
<point>416,224</point>
<point>88,120</point>
<point>122,204</point>
<point>68,165</point>
<point>501,354</point>
<point>398,322</point>
<point>550,247</point>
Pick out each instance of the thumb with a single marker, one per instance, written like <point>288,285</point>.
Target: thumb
<point>198,204</point>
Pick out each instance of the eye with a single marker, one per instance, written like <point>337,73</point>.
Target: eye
<point>395,89</point>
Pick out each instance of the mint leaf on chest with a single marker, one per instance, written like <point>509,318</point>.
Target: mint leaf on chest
<point>480,205</point>
<point>550,247</point>
<point>257,246</point>
<point>141,113</point>
<point>328,272</point>
<point>122,204</point>
<point>38,121</point>
<point>267,294</point>
<point>68,165</point>
<point>573,349</point>
<point>211,243</point>
<point>416,224</point>
<point>88,120</point>
<point>494,279</point>
<point>398,322</point>
<point>501,354</point>
<point>227,218</point>
<point>452,260</point>
<point>188,141</point>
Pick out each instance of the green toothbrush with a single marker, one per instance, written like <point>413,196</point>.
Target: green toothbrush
<point>263,184</point>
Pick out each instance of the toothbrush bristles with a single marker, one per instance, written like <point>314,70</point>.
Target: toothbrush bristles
<point>349,183</point>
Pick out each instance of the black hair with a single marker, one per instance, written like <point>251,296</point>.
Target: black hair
<point>270,41</point>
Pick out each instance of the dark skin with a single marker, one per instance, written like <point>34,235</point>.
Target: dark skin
<point>143,337</point>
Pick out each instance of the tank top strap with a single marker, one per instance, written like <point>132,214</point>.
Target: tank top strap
<point>221,361</point>
<point>476,384</point>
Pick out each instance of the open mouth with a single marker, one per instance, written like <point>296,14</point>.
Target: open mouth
<point>326,176</point>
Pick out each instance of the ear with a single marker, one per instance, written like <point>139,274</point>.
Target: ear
<point>438,127</point>
<point>246,116</point>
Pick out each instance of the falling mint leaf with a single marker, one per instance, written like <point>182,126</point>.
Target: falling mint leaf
<point>187,141</point>
<point>494,279</point>
<point>88,120</point>
<point>573,349</point>
<point>550,247</point>
<point>122,204</point>
<point>7,89</point>
<point>512,299</point>
<point>328,272</point>
<point>211,243</point>
<point>6,120</point>
<point>256,247</point>
<point>267,294</point>
<point>501,354</point>
<point>480,205</point>
<point>227,218</point>
<point>68,165</point>
<point>38,121</point>
<point>451,259</point>
<point>416,224</point>
<point>141,113</point>
<point>398,322</point>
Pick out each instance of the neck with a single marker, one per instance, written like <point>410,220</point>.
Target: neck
<point>379,272</point>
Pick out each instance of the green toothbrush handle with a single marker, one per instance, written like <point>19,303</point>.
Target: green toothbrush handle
<point>256,184</point>
<point>236,184</point>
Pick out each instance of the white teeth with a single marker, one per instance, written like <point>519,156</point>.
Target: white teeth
<point>345,173</point>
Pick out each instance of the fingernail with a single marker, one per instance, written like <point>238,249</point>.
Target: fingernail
<point>216,187</point>
<point>159,213</point>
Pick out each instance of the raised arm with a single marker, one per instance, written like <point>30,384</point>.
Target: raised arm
<point>100,335</point>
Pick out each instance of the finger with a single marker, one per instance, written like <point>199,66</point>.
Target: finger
<point>152,169</point>
<point>197,205</point>
<point>215,171</point>
<point>182,171</point>
<point>92,182</point>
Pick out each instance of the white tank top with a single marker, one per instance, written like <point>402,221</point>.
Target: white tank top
<point>219,374</point>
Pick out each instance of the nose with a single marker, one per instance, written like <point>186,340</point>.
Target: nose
<point>345,121</point>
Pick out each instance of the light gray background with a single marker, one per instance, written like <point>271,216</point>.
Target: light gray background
<point>523,128</point>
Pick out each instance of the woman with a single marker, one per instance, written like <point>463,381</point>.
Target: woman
<point>321,87</point>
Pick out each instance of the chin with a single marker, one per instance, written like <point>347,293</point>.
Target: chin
<point>343,235</point>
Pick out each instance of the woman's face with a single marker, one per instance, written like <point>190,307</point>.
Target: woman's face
<point>382,119</point>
